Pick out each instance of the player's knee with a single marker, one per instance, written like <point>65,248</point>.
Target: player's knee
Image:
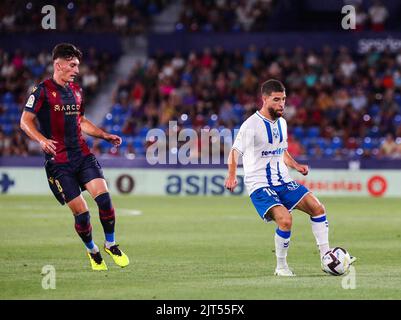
<point>78,205</point>
<point>319,210</point>
<point>285,223</point>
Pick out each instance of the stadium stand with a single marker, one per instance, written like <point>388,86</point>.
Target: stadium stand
<point>341,104</point>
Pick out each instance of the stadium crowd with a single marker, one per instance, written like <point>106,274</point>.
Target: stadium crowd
<point>339,105</point>
<point>19,73</point>
<point>127,17</point>
<point>255,15</point>
<point>224,16</point>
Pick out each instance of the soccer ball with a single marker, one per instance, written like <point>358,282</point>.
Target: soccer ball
<point>336,261</point>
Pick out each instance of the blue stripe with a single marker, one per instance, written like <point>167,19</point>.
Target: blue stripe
<point>321,219</point>
<point>283,234</point>
<point>269,174</point>
<point>269,131</point>
<point>280,131</point>
<point>90,245</point>
<point>280,178</point>
<point>109,237</point>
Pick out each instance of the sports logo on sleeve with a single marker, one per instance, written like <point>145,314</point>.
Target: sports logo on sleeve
<point>30,102</point>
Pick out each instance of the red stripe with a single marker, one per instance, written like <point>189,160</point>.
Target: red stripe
<point>78,99</point>
<point>41,98</point>
<point>106,211</point>
<point>56,121</point>
<point>83,229</point>
<point>106,214</point>
<point>112,216</point>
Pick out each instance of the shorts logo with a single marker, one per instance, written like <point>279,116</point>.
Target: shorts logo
<point>30,102</point>
<point>293,185</point>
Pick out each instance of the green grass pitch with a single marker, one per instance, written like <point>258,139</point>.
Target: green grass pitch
<point>196,248</point>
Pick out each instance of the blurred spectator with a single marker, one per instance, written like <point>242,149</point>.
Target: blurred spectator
<point>361,18</point>
<point>378,14</point>
<point>389,148</point>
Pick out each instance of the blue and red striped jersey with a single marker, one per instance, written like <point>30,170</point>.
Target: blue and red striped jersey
<point>59,110</point>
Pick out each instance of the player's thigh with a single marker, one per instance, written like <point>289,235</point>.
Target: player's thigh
<point>96,187</point>
<point>78,205</point>
<point>263,200</point>
<point>63,182</point>
<point>291,194</point>
<point>311,205</point>
<point>91,178</point>
<point>281,216</point>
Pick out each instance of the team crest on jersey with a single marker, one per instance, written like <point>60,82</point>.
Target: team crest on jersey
<point>30,101</point>
<point>54,93</point>
<point>275,133</point>
<point>293,185</point>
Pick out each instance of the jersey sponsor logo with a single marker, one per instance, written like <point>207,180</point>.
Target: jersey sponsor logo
<point>293,185</point>
<point>30,101</point>
<point>278,151</point>
<point>68,109</point>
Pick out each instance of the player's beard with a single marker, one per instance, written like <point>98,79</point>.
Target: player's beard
<point>274,114</point>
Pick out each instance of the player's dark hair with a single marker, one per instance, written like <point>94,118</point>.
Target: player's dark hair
<point>271,86</point>
<point>66,51</point>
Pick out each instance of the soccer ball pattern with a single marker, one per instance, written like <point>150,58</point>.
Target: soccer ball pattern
<point>336,262</point>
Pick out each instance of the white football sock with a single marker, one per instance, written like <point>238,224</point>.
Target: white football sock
<point>320,229</point>
<point>109,244</point>
<point>282,243</point>
<point>95,249</point>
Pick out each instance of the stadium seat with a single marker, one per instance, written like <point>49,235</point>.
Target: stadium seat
<point>298,132</point>
<point>367,143</point>
<point>313,132</point>
<point>336,143</point>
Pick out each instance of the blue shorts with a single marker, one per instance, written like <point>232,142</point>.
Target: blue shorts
<point>288,195</point>
<point>66,180</point>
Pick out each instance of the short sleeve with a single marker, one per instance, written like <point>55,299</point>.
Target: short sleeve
<point>241,140</point>
<point>35,100</point>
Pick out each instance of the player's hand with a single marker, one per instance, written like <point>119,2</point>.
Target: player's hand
<point>302,168</point>
<point>231,183</point>
<point>113,138</point>
<point>48,146</point>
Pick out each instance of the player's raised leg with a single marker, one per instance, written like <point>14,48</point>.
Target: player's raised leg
<point>320,226</point>
<point>99,192</point>
<point>283,219</point>
<point>83,227</point>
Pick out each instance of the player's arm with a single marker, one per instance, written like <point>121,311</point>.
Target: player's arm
<point>28,125</point>
<point>231,180</point>
<point>290,162</point>
<point>89,128</point>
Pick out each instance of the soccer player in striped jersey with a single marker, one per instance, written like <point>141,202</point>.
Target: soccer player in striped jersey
<point>262,143</point>
<point>57,103</point>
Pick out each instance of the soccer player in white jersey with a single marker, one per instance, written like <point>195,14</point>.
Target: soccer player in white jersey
<point>262,143</point>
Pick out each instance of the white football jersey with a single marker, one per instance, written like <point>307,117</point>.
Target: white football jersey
<point>262,143</point>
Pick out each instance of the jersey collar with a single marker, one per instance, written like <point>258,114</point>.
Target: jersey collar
<point>264,118</point>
